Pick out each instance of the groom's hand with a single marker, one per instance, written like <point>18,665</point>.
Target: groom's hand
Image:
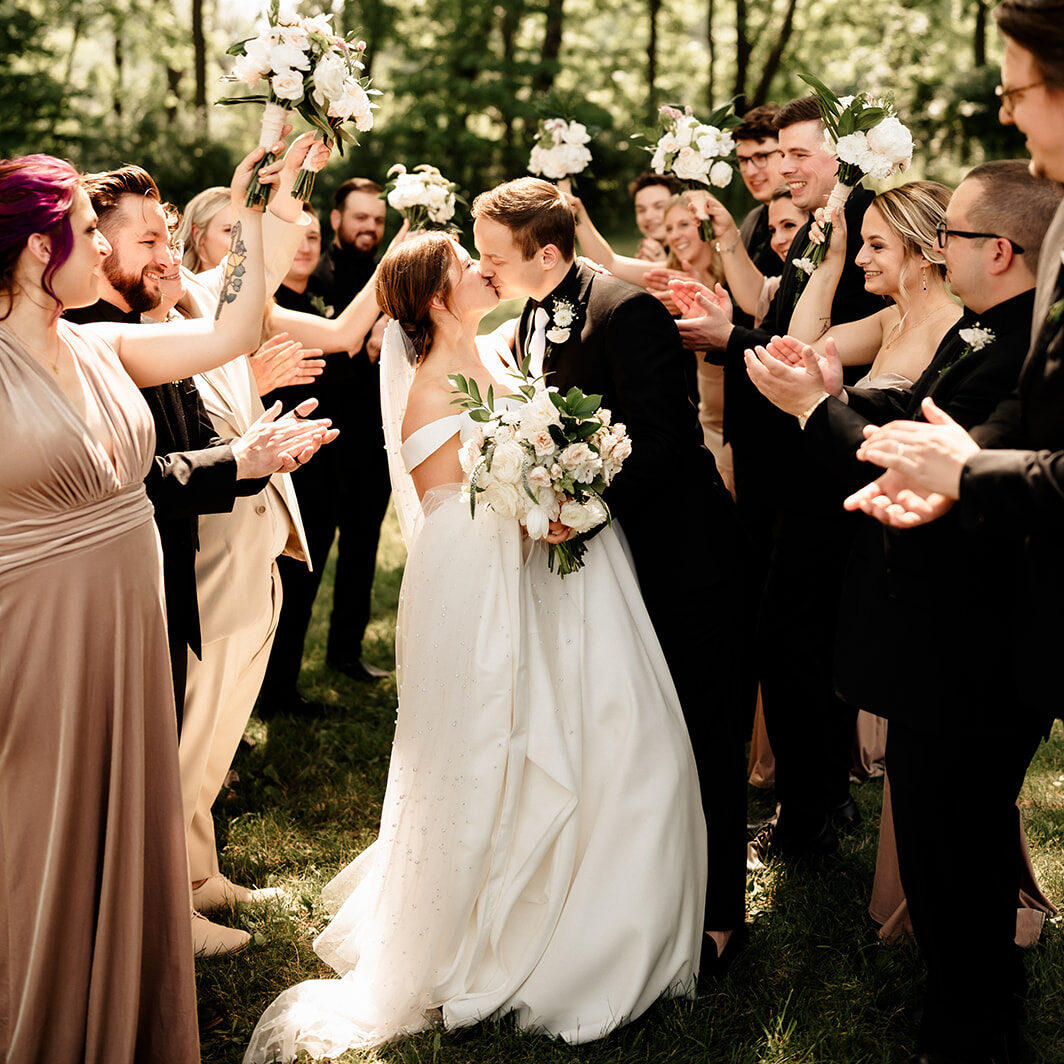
<point>559,533</point>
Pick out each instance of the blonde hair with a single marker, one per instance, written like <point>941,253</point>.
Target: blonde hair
<point>913,212</point>
<point>716,267</point>
<point>199,212</point>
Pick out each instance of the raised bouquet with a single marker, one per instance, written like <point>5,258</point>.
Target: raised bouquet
<point>423,196</point>
<point>696,153</point>
<point>548,459</point>
<point>559,151</point>
<point>309,69</point>
<point>869,140</point>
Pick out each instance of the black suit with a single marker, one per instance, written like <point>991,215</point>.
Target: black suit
<point>678,519</point>
<point>194,472</point>
<point>796,540</point>
<point>924,642</point>
<point>346,488</point>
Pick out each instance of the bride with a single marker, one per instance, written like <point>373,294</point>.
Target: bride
<point>542,845</point>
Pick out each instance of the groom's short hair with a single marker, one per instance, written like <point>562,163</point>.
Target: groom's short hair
<point>534,211</point>
<point>803,109</point>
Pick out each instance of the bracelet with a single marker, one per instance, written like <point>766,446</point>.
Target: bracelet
<point>804,417</point>
<point>727,251</point>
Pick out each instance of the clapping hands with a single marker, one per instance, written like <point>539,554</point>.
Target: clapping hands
<point>792,375</point>
<point>707,315</point>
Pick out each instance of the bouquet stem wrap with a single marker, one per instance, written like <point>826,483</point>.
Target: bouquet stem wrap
<point>815,253</point>
<point>310,169</point>
<point>273,121</point>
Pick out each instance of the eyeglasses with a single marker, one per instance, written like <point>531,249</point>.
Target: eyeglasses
<point>758,161</point>
<point>942,235</point>
<point>1005,95</point>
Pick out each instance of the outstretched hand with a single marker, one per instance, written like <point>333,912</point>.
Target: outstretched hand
<point>281,362</point>
<point>274,444</point>
<point>895,501</point>
<point>931,456</point>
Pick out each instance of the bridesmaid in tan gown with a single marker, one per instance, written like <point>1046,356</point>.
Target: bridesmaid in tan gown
<point>95,954</point>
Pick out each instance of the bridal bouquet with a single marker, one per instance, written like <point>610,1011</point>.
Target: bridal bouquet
<point>559,150</point>
<point>869,140</point>
<point>423,196</point>
<point>695,152</point>
<point>549,459</point>
<point>308,69</point>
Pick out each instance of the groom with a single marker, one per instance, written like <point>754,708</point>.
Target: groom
<point>606,336</point>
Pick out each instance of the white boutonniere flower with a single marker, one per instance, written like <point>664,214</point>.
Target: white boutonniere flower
<point>562,318</point>
<point>976,338</point>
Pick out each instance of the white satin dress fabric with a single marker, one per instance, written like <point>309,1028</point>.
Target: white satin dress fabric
<point>542,843</point>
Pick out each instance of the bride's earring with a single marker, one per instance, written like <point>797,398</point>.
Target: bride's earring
<point>923,278</point>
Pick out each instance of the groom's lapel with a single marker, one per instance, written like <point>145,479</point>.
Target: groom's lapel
<point>575,289</point>
<point>522,330</point>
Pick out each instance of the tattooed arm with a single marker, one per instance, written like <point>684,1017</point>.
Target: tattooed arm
<point>155,354</point>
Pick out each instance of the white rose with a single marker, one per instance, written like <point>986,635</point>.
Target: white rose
<point>318,24</point>
<point>353,103</point>
<point>543,445</point>
<point>893,140</point>
<point>621,449</point>
<point>581,517</point>
<point>442,214</point>
<point>539,477</point>
<point>537,523</point>
<point>605,416</point>
<point>329,77</point>
<point>538,413</point>
<point>669,144</point>
<point>556,472</point>
<point>557,336</point>
<point>657,161</point>
<point>576,455</point>
<point>248,69</point>
<point>294,36</point>
<point>720,174</point>
<point>535,160</point>
<point>690,166</point>
<point>468,457</point>
<point>504,499</point>
<point>684,131</point>
<point>576,133</point>
<point>852,148</point>
<point>288,57</point>
<point>574,157</point>
<point>506,462</point>
<point>258,49</point>
<point>287,85</point>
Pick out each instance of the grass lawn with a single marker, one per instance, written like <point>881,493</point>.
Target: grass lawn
<point>814,987</point>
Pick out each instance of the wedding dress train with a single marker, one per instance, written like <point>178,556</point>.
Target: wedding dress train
<point>542,844</point>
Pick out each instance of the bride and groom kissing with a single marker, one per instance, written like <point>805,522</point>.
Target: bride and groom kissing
<point>543,850</point>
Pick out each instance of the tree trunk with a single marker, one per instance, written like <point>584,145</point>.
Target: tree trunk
<point>653,7</point>
<point>552,46</point>
<point>116,105</point>
<point>711,51</point>
<point>199,62</point>
<point>742,56</point>
<point>979,35</point>
<point>772,64</point>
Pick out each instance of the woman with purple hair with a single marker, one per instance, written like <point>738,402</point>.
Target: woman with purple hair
<point>95,953</point>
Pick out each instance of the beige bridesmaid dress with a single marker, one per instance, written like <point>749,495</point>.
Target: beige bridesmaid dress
<point>95,953</point>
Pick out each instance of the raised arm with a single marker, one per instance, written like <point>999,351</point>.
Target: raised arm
<point>744,279</point>
<point>593,245</point>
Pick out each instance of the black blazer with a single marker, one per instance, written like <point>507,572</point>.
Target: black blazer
<point>1021,492</point>
<point>926,611</point>
<point>625,346</point>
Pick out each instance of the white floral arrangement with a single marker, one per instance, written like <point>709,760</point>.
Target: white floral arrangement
<point>423,196</point>
<point>869,140</point>
<point>975,339</point>
<point>560,149</point>
<point>309,69</point>
<point>695,152</point>
<point>549,459</point>
<point>562,317</point>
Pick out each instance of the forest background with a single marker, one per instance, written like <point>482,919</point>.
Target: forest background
<point>464,82</point>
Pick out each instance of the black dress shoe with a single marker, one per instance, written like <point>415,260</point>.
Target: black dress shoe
<point>806,846</point>
<point>294,705</point>
<point>358,669</point>
<point>846,817</point>
<point>712,965</point>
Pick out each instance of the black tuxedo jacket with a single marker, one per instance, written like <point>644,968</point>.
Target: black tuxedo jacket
<point>624,346</point>
<point>927,611</point>
<point>1021,492</point>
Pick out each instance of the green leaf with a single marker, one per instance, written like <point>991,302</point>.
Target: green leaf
<point>558,436</point>
<point>491,397</point>
<point>474,391</point>
<point>557,400</point>
<point>480,414</point>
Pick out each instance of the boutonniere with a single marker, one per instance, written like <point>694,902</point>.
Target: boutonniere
<point>561,321</point>
<point>975,339</point>
<point>321,307</point>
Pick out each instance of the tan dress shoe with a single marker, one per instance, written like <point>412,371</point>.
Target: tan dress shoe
<point>212,940</point>
<point>216,892</point>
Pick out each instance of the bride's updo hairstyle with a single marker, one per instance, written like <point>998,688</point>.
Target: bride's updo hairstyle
<point>409,278</point>
<point>913,211</point>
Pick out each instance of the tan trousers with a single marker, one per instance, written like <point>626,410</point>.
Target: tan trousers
<point>219,697</point>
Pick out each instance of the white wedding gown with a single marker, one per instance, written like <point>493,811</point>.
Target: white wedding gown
<point>542,844</point>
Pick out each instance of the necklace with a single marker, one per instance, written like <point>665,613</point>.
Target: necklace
<point>915,325</point>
